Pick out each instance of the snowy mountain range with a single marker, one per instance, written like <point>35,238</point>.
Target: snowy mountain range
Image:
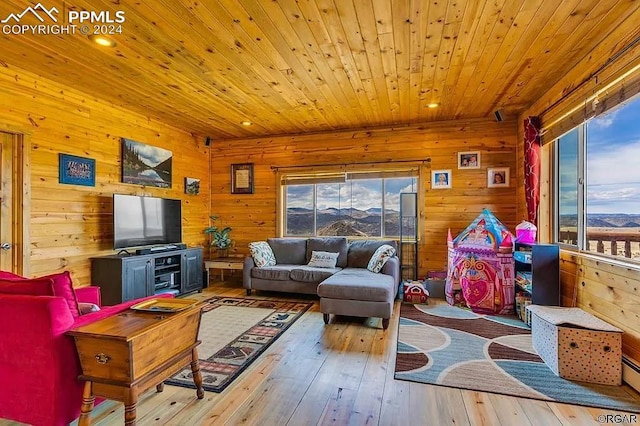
<point>604,220</point>
<point>344,221</point>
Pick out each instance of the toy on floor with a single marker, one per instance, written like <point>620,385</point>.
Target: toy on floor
<point>480,270</point>
<point>415,292</point>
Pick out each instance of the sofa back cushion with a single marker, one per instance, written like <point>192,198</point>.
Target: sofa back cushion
<point>360,251</point>
<point>5,275</point>
<point>289,251</point>
<point>332,245</point>
<point>63,287</point>
<point>27,287</point>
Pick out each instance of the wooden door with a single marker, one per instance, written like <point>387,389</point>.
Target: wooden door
<point>6,202</point>
<point>14,207</point>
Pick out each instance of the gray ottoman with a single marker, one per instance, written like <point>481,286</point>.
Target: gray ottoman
<point>358,292</point>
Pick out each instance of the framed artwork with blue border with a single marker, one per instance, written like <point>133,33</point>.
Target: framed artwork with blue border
<point>77,170</point>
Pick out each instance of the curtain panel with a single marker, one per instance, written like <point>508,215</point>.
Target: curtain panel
<point>532,167</point>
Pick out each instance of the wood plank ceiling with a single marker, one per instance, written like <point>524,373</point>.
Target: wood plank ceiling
<point>297,66</point>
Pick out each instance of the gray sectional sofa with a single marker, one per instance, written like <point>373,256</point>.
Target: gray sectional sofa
<point>348,289</point>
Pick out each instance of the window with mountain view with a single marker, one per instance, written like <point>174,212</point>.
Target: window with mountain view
<point>603,214</point>
<point>366,207</point>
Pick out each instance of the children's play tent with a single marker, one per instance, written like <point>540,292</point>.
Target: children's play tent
<point>480,267</point>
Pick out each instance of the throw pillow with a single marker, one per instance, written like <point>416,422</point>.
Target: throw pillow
<point>35,287</point>
<point>262,254</point>
<point>63,287</point>
<point>86,308</point>
<point>323,259</point>
<point>329,244</point>
<point>380,257</point>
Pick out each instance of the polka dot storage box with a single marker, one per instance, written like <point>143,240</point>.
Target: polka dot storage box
<point>576,345</point>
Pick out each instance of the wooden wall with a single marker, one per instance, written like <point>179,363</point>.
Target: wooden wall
<point>69,223</point>
<point>253,216</point>
<point>606,288</point>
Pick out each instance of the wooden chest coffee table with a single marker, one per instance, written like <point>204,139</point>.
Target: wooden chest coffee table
<point>128,353</point>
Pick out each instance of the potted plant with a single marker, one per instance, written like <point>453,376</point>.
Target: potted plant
<point>219,237</point>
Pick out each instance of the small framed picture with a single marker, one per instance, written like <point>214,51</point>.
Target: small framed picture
<point>242,178</point>
<point>76,170</point>
<point>191,186</point>
<point>440,179</point>
<point>469,160</point>
<point>498,177</point>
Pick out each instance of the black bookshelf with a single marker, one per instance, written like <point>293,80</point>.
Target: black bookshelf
<point>545,272</point>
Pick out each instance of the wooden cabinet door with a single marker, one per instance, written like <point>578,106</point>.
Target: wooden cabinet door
<point>192,270</point>
<point>137,278</point>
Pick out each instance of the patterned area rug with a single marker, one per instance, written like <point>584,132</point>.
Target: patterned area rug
<point>234,332</point>
<point>444,345</point>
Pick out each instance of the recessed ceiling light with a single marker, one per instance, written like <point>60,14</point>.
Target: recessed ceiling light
<point>102,40</point>
<point>433,105</point>
<point>246,123</point>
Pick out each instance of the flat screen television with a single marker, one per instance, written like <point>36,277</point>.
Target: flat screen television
<point>145,221</point>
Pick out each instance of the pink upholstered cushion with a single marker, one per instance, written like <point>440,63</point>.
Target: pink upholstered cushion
<point>4,275</point>
<point>63,287</point>
<point>35,287</point>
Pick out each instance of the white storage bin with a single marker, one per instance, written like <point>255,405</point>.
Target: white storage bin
<point>576,345</point>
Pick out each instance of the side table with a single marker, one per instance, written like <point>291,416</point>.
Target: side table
<point>126,354</point>
<point>223,263</point>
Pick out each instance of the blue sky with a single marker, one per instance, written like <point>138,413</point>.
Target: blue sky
<point>613,161</point>
<point>613,167</point>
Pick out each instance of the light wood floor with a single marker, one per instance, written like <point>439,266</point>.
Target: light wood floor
<point>340,374</point>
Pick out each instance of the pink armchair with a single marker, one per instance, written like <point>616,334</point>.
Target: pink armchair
<point>39,366</point>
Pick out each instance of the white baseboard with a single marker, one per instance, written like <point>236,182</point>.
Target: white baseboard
<point>631,373</point>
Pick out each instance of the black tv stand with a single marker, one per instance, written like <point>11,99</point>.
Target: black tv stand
<point>123,277</point>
